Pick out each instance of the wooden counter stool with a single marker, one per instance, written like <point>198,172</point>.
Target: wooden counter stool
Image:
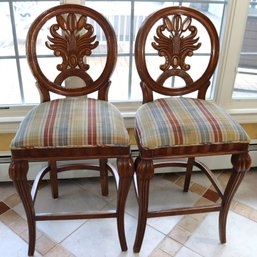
<point>176,53</point>
<point>81,44</point>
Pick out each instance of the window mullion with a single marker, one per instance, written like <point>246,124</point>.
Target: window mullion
<point>16,50</point>
<point>230,50</point>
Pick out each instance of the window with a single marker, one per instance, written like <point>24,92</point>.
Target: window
<point>246,79</point>
<point>125,16</point>
<point>237,73</point>
<point>16,80</point>
<point>230,18</point>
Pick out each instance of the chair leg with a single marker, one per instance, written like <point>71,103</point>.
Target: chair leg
<point>241,164</point>
<point>136,162</point>
<point>104,177</point>
<point>190,164</point>
<point>145,172</point>
<point>18,173</point>
<point>126,171</point>
<point>54,179</point>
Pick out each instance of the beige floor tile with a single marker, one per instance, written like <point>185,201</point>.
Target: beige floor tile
<point>253,215</point>
<point>19,225</point>
<point>242,209</point>
<point>189,224</point>
<point>223,178</point>
<point>198,189</point>
<point>203,201</point>
<point>179,234</point>
<point>9,217</point>
<point>25,234</point>
<point>246,192</point>
<point>180,181</point>
<point>12,200</point>
<point>170,246</point>
<point>58,251</point>
<point>44,244</point>
<point>159,253</point>
<point>198,216</point>
<point>185,252</point>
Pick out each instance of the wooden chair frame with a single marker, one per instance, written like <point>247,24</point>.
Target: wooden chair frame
<point>150,159</point>
<point>21,157</point>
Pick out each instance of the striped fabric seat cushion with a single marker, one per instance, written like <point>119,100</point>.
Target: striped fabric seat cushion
<point>72,122</point>
<point>181,121</point>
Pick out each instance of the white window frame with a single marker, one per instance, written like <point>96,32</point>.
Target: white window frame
<point>244,110</point>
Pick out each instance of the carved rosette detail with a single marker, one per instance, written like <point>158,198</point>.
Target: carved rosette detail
<point>175,40</point>
<point>72,39</point>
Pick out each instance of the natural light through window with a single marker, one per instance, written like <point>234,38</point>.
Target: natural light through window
<point>246,79</point>
<point>126,18</point>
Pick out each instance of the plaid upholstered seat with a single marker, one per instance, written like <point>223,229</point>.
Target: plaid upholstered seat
<point>183,121</point>
<point>72,122</point>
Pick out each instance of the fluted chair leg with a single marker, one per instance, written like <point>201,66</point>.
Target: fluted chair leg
<point>126,171</point>
<point>241,164</point>
<point>18,173</point>
<point>145,172</point>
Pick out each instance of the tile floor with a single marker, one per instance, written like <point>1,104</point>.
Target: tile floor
<point>180,236</point>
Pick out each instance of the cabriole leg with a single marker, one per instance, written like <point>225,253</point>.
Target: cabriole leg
<point>18,173</point>
<point>145,172</point>
<point>125,171</point>
<point>241,164</point>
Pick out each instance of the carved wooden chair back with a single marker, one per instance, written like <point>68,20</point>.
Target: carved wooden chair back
<point>188,62</point>
<point>86,45</point>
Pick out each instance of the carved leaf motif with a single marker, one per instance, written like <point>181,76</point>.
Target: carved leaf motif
<point>179,44</point>
<point>71,22</point>
<point>177,23</point>
<point>72,39</point>
<point>168,23</point>
<point>186,24</point>
<point>61,22</point>
<point>81,23</point>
